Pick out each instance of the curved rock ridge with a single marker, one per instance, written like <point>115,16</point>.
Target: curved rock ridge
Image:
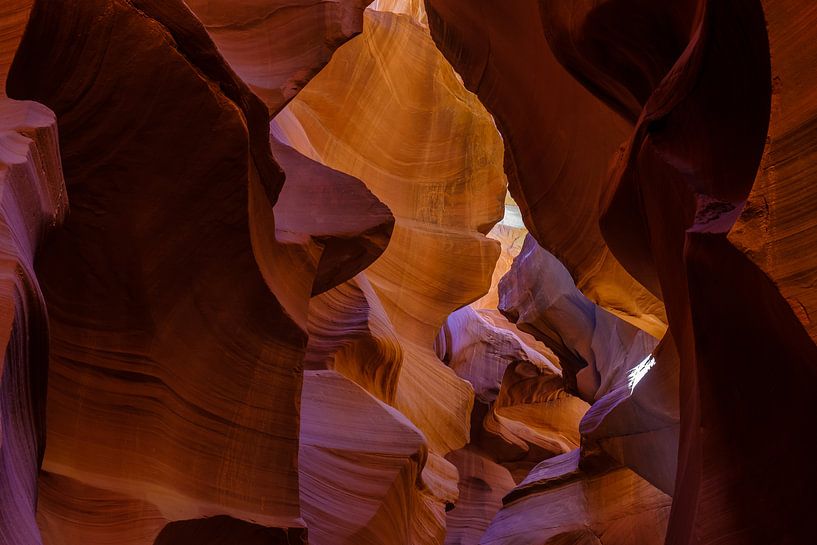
<point>387,88</point>
<point>522,414</point>
<point>576,506</point>
<point>775,227</point>
<point>277,46</point>
<point>360,462</point>
<point>595,348</point>
<point>33,202</point>
<point>333,216</point>
<point>557,176</point>
<point>702,134</point>
<point>714,90</point>
<point>350,332</point>
<point>445,192</point>
<point>175,380</point>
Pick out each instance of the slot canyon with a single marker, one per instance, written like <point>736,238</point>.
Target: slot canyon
<point>408,272</point>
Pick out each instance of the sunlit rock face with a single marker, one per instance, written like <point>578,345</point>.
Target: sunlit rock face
<point>557,176</point>
<point>263,282</point>
<point>629,434</point>
<point>390,111</point>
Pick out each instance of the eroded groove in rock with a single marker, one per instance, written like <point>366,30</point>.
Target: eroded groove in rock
<point>465,382</point>
<point>445,192</point>
<point>278,46</point>
<point>32,203</point>
<point>558,177</point>
<point>350,332</point>
<point>613,506</point>
<point>360,464</point>
<point>595,348</point>
<point>685,175</point>
<point>619,49</point>
<point>179,374</point>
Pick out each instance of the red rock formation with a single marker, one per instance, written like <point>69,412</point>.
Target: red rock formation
<point>561,504</point>
<point>277,46</point>
<point>360,464</point>
<point>13,18</point>
<point>695,78</point>
<point>556,176</point>
<point>231,226</point>
<point>389,87</point>
<point>162,369</point>
<point>32,202</point>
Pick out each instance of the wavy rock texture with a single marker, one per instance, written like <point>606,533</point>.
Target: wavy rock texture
<point>576,507</point>
<point>283,307</point>
<point>774,226</point>
<point>389,87</point>
<point>277,46</point>
<point>678,186</point>
<point>32,202</point>
<point>596,348</point>
<point>13,19</point>
<point>360,464</point>
<point>175,382</point>
<point>558,177</point>
<point>702,132</point>
<point>351,333</point>
<point>522,414</point>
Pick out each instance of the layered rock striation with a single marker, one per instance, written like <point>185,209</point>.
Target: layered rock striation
<point>262,281</point>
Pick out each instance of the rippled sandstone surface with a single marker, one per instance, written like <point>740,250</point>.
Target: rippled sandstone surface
<point>407,272</point>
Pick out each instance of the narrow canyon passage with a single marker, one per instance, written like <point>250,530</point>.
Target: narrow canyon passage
<point>408,272</point>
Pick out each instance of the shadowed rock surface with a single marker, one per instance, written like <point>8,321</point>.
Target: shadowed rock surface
<point>407,272</point>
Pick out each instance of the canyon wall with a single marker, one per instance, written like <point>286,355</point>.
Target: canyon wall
<point>407,272</point>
